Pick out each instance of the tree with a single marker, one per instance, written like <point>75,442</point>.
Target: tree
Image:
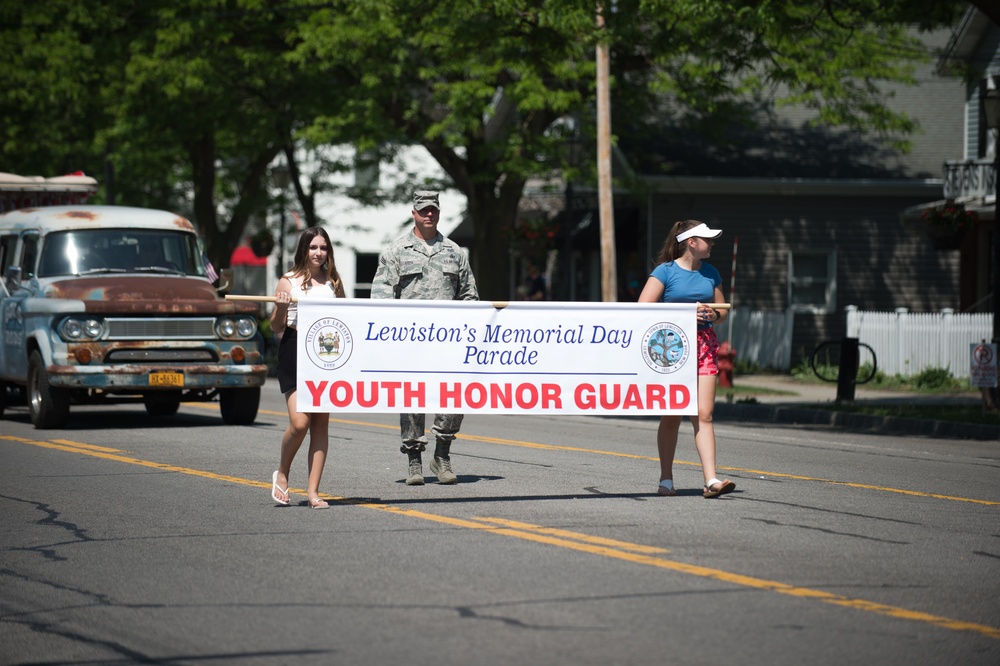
<point>483,85</point>
<point>201,95</point>
<point>479,85</point>
<point>186,103</point>
<point>207,87</point>
<point>54,61</point>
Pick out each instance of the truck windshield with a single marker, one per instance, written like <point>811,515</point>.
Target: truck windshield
<point>95,251</point>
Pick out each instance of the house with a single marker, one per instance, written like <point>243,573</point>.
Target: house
<point>359,228</point>
<point>970,175</point>
<point>813,217</point>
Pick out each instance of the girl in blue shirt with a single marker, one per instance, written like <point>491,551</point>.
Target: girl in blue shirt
<point>682,276</point>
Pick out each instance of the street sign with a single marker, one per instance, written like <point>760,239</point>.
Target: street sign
<point>983,364</point>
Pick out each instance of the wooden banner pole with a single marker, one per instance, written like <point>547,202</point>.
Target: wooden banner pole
<point>497,304</point>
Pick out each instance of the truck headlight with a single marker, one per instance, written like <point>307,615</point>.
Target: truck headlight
<point>238,328</point>
<point>76,329</point>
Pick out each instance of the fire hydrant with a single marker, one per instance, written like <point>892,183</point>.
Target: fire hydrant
<point>726,356</point>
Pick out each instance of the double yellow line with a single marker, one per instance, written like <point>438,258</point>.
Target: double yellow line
<point>611,548</point>
<point>616,454</point>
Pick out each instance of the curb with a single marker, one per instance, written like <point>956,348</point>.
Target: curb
<point>887,425</point>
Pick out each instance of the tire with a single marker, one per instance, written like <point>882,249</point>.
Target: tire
<point>161,405</point>
<point>239,406</point>
<point>48,407</point>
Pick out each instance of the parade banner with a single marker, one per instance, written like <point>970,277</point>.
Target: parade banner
<point>405,356</point>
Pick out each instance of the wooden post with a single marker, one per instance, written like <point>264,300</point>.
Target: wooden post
<point>609,268</point>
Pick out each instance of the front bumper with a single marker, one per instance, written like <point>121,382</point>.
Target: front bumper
<point>136,377</point>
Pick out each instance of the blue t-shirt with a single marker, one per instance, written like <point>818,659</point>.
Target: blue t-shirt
<point>683,286</point>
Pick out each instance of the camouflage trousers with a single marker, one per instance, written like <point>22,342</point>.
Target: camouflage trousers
<point>411,428</point>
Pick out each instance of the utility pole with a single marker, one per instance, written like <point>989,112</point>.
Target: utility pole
<point>609,268</point>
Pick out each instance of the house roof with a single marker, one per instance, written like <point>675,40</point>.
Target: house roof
<point>964,48</point>
<point>784,141</point>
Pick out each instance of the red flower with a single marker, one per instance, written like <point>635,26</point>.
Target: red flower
<point>951,215</point>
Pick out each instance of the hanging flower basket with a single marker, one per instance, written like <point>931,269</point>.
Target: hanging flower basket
<point>946,225</point>
<point>532,238</point>
<point>945,239</point>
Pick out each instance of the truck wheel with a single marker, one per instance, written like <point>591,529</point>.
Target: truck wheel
<point>161,405</point>
<point>239,406</point>
<point>47,406</point>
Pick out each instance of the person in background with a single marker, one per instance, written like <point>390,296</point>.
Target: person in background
<point>682,276</point>
<point>313,275</point>
<point>533,287</point>
<point>424,265</point>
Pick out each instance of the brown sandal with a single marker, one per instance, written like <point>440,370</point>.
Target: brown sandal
<point>719,488</point>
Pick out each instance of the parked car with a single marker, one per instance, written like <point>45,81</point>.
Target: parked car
<point>104,304</point>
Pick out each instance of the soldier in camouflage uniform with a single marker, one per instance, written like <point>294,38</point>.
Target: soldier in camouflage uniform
<point>425,265</point>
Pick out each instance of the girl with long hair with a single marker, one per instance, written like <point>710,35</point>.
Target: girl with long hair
<point>313,275</point>
<point>682,276</point>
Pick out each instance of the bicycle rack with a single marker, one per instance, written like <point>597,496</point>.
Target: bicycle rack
<point>847,373</point>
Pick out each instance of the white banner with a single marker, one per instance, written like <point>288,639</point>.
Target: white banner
<point>410,356</point>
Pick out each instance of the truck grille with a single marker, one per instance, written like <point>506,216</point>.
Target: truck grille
<point>187,328</point>
<point>161,356</point>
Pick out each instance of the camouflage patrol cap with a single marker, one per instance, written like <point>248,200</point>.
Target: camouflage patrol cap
<point>424,198</point>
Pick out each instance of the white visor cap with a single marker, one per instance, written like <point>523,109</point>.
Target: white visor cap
<point>701,231</point>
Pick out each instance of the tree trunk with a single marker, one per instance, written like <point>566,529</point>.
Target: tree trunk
<point>490,214</point>
<point>202,156</point>
<point>220,243</point>
<point>493,200</point>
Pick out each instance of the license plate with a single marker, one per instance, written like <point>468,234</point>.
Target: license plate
<point>166,379</point>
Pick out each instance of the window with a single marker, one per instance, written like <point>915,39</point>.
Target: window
<point>120,250</point>
<point>29,255</point>
<point>812,281</point>
<point>365,267</point>
<point>366,169</point>
<point>8,244</point>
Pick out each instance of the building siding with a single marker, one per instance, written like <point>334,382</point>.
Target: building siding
<point>881,264</point>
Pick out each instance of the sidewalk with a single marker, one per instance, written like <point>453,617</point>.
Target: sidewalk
<point>815,392</point>
<point>798,407</point>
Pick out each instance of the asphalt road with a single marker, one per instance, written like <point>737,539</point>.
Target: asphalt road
<point>126,539</point>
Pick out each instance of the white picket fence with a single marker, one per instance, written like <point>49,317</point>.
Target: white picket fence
<point>764,338</point>
<point>904,343</point>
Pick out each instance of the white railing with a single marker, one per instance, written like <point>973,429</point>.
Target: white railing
<point>905,343</point>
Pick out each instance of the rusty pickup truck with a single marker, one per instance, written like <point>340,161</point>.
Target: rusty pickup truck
<point>105,304</point>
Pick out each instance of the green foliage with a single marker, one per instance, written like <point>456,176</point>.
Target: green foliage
<point>56,58</point>
<point>870,378</point>
<point>929,380</point>
<point>742,366</point>
<point>190,100</point>
<point>952,216</point>
<point>936,379</point>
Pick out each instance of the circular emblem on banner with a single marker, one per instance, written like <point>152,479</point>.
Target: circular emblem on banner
<point>329,343</point>
<point>665,348</point>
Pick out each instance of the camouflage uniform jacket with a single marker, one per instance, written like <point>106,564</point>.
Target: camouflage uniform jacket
<point>411,268</point>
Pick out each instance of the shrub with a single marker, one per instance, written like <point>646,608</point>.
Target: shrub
<point>746,367</point>
<point>935,379</point>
